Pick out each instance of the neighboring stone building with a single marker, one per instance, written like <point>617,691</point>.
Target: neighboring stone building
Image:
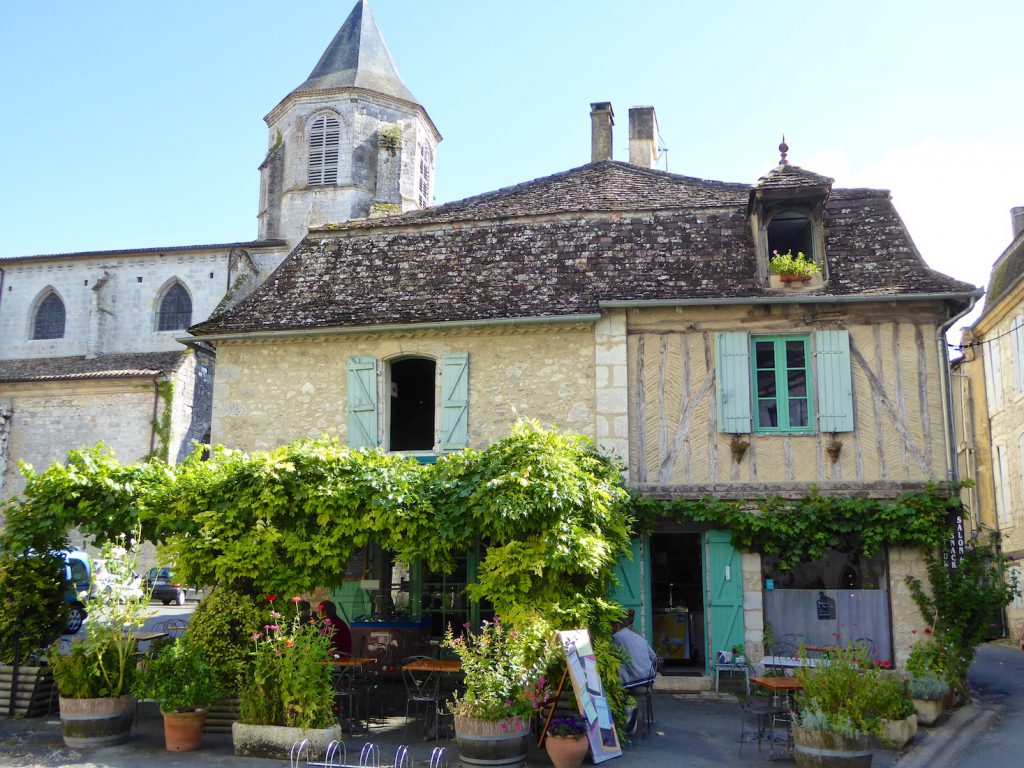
<point>634,306</point>
<point>990,399</point>
<point>89,339</point>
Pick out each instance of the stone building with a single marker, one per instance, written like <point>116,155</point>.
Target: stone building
<point>990,398</point>
<point>634,306</point>
<point>90,341</point>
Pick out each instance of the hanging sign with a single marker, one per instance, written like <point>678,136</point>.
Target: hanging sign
<point>590,698</point>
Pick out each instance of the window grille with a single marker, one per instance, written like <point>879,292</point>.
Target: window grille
<point>175,309</point>
<point>50,317</point>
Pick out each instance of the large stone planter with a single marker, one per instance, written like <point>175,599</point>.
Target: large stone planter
<point>823,749</point>
<point>34,694</point>
<point>896,734</point>
<point>276,741</point>
<point>928,710</point>
<point>492,743</point>
<point>99,722</point>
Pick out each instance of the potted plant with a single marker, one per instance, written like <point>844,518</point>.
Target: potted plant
<point>837,711</point>
<point>792,268</point>
<point>928,677</point>
<point>896,713</point>
<point>287,693</point>
<point>183,686</point>
<point>502,678</point>
<point>34,615</point>
<point>565,742</point>
<point>95,679</point>
<point>738,445</point>
<point>927,692</point>
<point>739,654</point>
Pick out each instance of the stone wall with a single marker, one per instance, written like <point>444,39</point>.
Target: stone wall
<point>907,623</point>
<point>270,393</point>
<point>192,409</point>
<point>50,418</point>
<point>126,317</point>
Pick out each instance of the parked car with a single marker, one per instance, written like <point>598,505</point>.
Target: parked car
<point>160,579</point>
<point>126,588</point>
<point>78,576</point>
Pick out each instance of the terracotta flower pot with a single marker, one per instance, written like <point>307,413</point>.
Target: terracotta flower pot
<point>183,731</point>
<point>566,751</point>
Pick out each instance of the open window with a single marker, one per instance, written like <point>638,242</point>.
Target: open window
<point>411,404</point>
<point>791,231</point>
<point>50,318</point>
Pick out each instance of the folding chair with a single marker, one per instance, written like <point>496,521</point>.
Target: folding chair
<point>422,690</point>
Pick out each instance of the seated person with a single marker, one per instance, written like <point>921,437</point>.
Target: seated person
<point>333,626</point>
<point>642,657</point>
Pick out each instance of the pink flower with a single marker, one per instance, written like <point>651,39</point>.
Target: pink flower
<point>257,635</point>
<point>274,627</point>
<point>296,599</point>
<point>275,615</point>
<point>504,726</point>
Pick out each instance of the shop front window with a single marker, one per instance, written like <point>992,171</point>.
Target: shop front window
<point>838,600</point>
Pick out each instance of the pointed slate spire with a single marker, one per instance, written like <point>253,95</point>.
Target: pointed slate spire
<point>358,57</point>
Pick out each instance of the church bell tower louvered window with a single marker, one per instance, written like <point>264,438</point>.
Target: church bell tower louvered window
<point>324,141</point>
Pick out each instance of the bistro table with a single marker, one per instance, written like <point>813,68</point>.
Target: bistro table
<point>352,661</point>
<point>775,712</point>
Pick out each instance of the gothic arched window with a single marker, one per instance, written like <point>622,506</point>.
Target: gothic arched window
<point>324,142</point>
<point>49,320</point>
<point>175,311</point>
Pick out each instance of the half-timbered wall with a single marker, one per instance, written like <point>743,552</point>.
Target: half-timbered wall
<point>677,439</point>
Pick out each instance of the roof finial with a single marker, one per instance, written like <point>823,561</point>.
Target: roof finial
<point>783,149</point>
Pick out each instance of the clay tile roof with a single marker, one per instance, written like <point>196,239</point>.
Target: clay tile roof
<point>563,245</point>
<point>120,366</point>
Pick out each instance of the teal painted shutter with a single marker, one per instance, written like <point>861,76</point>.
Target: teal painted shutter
<point>725,594</point>
<point>835,382</point>
<point>362,402</point>
<point>455,401</point>
<point>629,589</point>
<point>733,379</point>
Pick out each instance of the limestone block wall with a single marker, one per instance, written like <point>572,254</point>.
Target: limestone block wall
<point>612,395</point>
<point>134,285</point>
<point>906,617</point>
<point>753,606</point>
<point>270,393</point>
<point>192,406</point>
<point>47,419</point>
<point>675,440</point>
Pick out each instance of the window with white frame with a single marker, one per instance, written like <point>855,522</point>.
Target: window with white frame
<point>324,144</point>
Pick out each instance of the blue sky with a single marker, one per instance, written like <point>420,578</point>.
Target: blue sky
<point>136,124</point>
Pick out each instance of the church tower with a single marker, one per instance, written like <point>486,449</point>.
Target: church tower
<point>349,142</point>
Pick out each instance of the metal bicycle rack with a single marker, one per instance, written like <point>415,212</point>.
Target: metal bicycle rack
<point>336,756</point>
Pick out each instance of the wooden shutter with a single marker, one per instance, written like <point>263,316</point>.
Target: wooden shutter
<point>1004,499</point>
<point>733,380</point>
<point>835,381</point>
<point>631,589</point>
<point>362,402</point>
<point>993,375</point>
<point>454,401</point>
<point>1018,354</point>
<point>725,594</point>
<point>324,144</point>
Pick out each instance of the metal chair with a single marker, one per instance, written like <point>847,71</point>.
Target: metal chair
<point>422,690</point>
<point>643,693</point>
<point>346,693</point>
<point>767,712</point>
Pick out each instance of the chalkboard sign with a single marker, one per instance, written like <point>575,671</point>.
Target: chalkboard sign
<point>590,698</point>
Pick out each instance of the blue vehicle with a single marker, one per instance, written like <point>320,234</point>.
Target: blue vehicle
<point>78,576</point>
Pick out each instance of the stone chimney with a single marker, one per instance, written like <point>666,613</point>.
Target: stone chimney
<point>643,137</point>
<point>1017,214</point>
<point>602,118</point>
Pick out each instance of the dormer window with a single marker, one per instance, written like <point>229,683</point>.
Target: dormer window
<point>791,231</point>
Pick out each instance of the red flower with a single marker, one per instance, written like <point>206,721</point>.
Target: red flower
<point>927,630</point>
<point>271,598</point>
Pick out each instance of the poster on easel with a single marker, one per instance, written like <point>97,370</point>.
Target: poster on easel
<point>590,698</point>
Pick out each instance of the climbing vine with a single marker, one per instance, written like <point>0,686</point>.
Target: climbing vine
<point>801,530</point>
<point>162,424</point>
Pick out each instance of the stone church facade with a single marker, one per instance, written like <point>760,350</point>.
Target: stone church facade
<point>91,345</point>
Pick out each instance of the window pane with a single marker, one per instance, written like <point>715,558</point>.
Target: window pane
<point>798,416</point>
<point>795,354</point>
<point>767,414</point>
<point>797,384</point>
<point>50,317</point>
<point>764,352</point>
<point>175,310</point>
<point>766,384</point>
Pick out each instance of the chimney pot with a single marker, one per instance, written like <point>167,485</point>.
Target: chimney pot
<point>602,118</point>
<point>1018,220</point>
<point>643,137</point>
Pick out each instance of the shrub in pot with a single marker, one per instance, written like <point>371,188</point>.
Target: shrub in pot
<point>95,678</point>
<point>896,713</point>
<point>927,692</point>
<point>183,685</point>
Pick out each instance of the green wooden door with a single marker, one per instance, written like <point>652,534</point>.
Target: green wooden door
<point>724,594</point>
<point>633,589</point>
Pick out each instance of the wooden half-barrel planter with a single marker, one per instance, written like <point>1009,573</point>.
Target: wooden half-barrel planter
<point>34,692</point>
<point>221,715</point>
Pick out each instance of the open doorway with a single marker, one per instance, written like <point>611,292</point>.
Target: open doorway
<point>677,597</point>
